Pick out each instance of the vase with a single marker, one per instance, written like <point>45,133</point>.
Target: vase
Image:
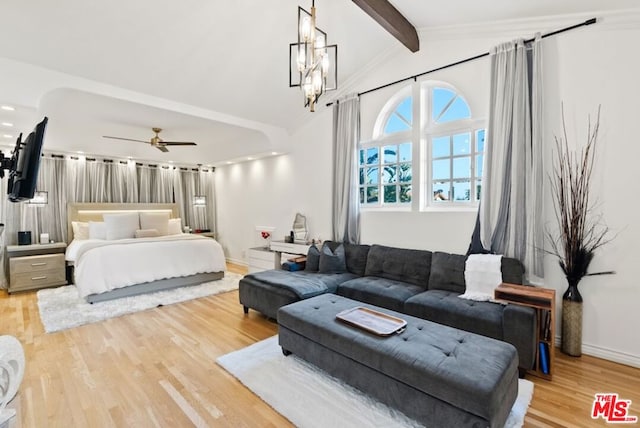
<point>572,320</point>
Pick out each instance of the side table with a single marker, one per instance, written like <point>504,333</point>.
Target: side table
<point>544,301</point>
<point>36,266</point>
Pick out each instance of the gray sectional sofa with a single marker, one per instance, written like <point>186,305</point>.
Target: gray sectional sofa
<point>421,283</point>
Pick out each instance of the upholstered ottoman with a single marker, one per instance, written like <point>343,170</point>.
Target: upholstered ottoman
<point>438,375</point>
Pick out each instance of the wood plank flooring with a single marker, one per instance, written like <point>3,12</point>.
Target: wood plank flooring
<point>157,369</point>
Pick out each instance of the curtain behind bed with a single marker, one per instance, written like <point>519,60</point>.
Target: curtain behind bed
<point>68,179</point>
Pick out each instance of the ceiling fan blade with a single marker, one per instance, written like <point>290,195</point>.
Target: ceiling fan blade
<point>161,148</point>
<point>179,143</point>
<point>125,139</point>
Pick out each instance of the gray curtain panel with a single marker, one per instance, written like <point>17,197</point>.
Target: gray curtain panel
<point>510,214</point>
<point>346,135</point>
<point>76,179</point>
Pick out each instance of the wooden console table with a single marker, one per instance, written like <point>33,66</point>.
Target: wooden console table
<point>544,301</point>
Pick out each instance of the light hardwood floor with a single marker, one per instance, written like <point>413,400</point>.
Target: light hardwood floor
<point>157,368</point>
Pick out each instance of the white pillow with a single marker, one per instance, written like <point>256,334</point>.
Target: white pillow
<point>121,226</point>
<point>147,233</point>
<point>482,274</point>
<point>157,221</point>
<point>80,230</point>
<point>175,226</point>
<point>97,230</point>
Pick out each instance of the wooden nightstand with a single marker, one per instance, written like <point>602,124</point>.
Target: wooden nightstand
<point>36,266</point>
<point>544,301</point>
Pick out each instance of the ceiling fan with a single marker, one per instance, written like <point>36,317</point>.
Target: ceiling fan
<point>156,141</point>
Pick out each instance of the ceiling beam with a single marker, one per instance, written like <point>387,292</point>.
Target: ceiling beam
<point>385,14</point>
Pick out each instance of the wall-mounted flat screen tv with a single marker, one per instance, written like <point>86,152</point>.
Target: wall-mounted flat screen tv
<point>23,175</point>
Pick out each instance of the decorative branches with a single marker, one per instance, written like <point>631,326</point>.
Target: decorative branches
<point>580,232</point>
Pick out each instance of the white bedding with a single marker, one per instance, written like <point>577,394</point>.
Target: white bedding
<point>102,265</point>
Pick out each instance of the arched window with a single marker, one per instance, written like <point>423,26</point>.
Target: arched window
<point>450,143</point>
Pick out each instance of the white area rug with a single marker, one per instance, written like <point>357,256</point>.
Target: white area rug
<point>62,308</point>
<point>309,397</point>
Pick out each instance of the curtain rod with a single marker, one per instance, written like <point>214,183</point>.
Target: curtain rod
<point>473,58</point>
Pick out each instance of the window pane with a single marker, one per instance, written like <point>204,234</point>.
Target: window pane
<point>390,174</point>
<point>480,140</point>
<point>372,155</point>
<point>372,195</point>
<point>405,193</point>
<point>362,195</point>
<point>405,152</point>
<point>441,97</point>
<point>479,165</point>
<point>478,189</point>
<point>396,123</point>
<point>462,144</point>
<point>441,147</point>
<point>361,176</point>
<point>390,194</point>
<point>461,167</point>
<point>372,175</point>
<point>462,191</point>
<point>457,110</point>
<point>441,190</point>
<point>404,173</point>
<point>390,154</point>
<point>405,111</point>
<point>361,157</point>
<point>441,169</point>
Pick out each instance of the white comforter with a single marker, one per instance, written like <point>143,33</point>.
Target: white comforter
<point>102,266</point>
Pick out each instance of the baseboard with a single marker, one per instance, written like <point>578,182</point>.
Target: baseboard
<point>608,354</point>
<point>237,261</point>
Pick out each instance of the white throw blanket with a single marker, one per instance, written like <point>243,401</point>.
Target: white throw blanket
<point>482,274</point>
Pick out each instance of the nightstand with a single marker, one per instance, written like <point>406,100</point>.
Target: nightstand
<point>36,266</point>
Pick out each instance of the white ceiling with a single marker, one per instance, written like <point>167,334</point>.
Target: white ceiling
<point>212,71</point>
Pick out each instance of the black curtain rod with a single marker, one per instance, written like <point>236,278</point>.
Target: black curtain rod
<point>473,58</point>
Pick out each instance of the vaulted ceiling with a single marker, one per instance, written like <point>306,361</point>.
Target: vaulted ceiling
<point>210,71</point>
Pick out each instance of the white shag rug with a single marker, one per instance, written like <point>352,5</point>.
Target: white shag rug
<point>309,397</point>
<point>62,308</point>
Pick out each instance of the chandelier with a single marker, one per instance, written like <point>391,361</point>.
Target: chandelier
<point>313,65</point>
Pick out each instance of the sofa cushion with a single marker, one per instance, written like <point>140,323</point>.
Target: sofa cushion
<point>304,284</point>
<point>313,259</point>
<point>512,270</point>
<point>332,261</point>
<point>447,272</point>
<point>382,292</point>
<point>399,264</point>
<point>355,255</point>
<point>445,307</point>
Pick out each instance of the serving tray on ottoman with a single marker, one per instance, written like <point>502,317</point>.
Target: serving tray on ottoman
<point>437,375</point>
<point>375,322</point>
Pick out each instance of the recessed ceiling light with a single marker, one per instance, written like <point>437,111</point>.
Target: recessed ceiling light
<point>229,162</point>
<point>249,158</point>
<point>8,108</point>
<point>7,136</point>
<point>170,161</point>
<point>80,152</point>
<point>7,124</point>
<point>274,153</point>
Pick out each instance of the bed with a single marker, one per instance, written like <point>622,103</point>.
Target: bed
<point>110,262</point>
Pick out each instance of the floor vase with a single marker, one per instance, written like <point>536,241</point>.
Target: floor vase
<point>572,321</point>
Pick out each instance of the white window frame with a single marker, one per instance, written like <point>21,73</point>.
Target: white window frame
<point>420,136</point>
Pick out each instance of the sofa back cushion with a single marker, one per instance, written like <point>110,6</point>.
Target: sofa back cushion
<point>313,259</point>
<point>399,264</point>
<point>447,272</point>
<point>512,270</point>
<point>332,261</point>
<point>356,256</point>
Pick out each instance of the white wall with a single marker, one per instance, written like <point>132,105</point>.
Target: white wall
<point>583,68</point>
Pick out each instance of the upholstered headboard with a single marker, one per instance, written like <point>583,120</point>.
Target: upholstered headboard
<point>87,211</point>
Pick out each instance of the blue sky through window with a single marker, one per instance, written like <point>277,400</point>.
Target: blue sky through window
<point>402,117</point>
<point>447,106</point>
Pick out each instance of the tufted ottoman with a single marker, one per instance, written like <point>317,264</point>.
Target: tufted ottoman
<point>438,375</point>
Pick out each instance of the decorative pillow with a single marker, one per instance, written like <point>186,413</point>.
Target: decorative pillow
<point>157,221</point>
<point>332,261</point>
<point>121,226</point>
<point>80,229</point>
<point>147,233</point>
<point>313,259</point>
<point>97,230</point>
<point>175,226</point>
<point>482,274</point>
